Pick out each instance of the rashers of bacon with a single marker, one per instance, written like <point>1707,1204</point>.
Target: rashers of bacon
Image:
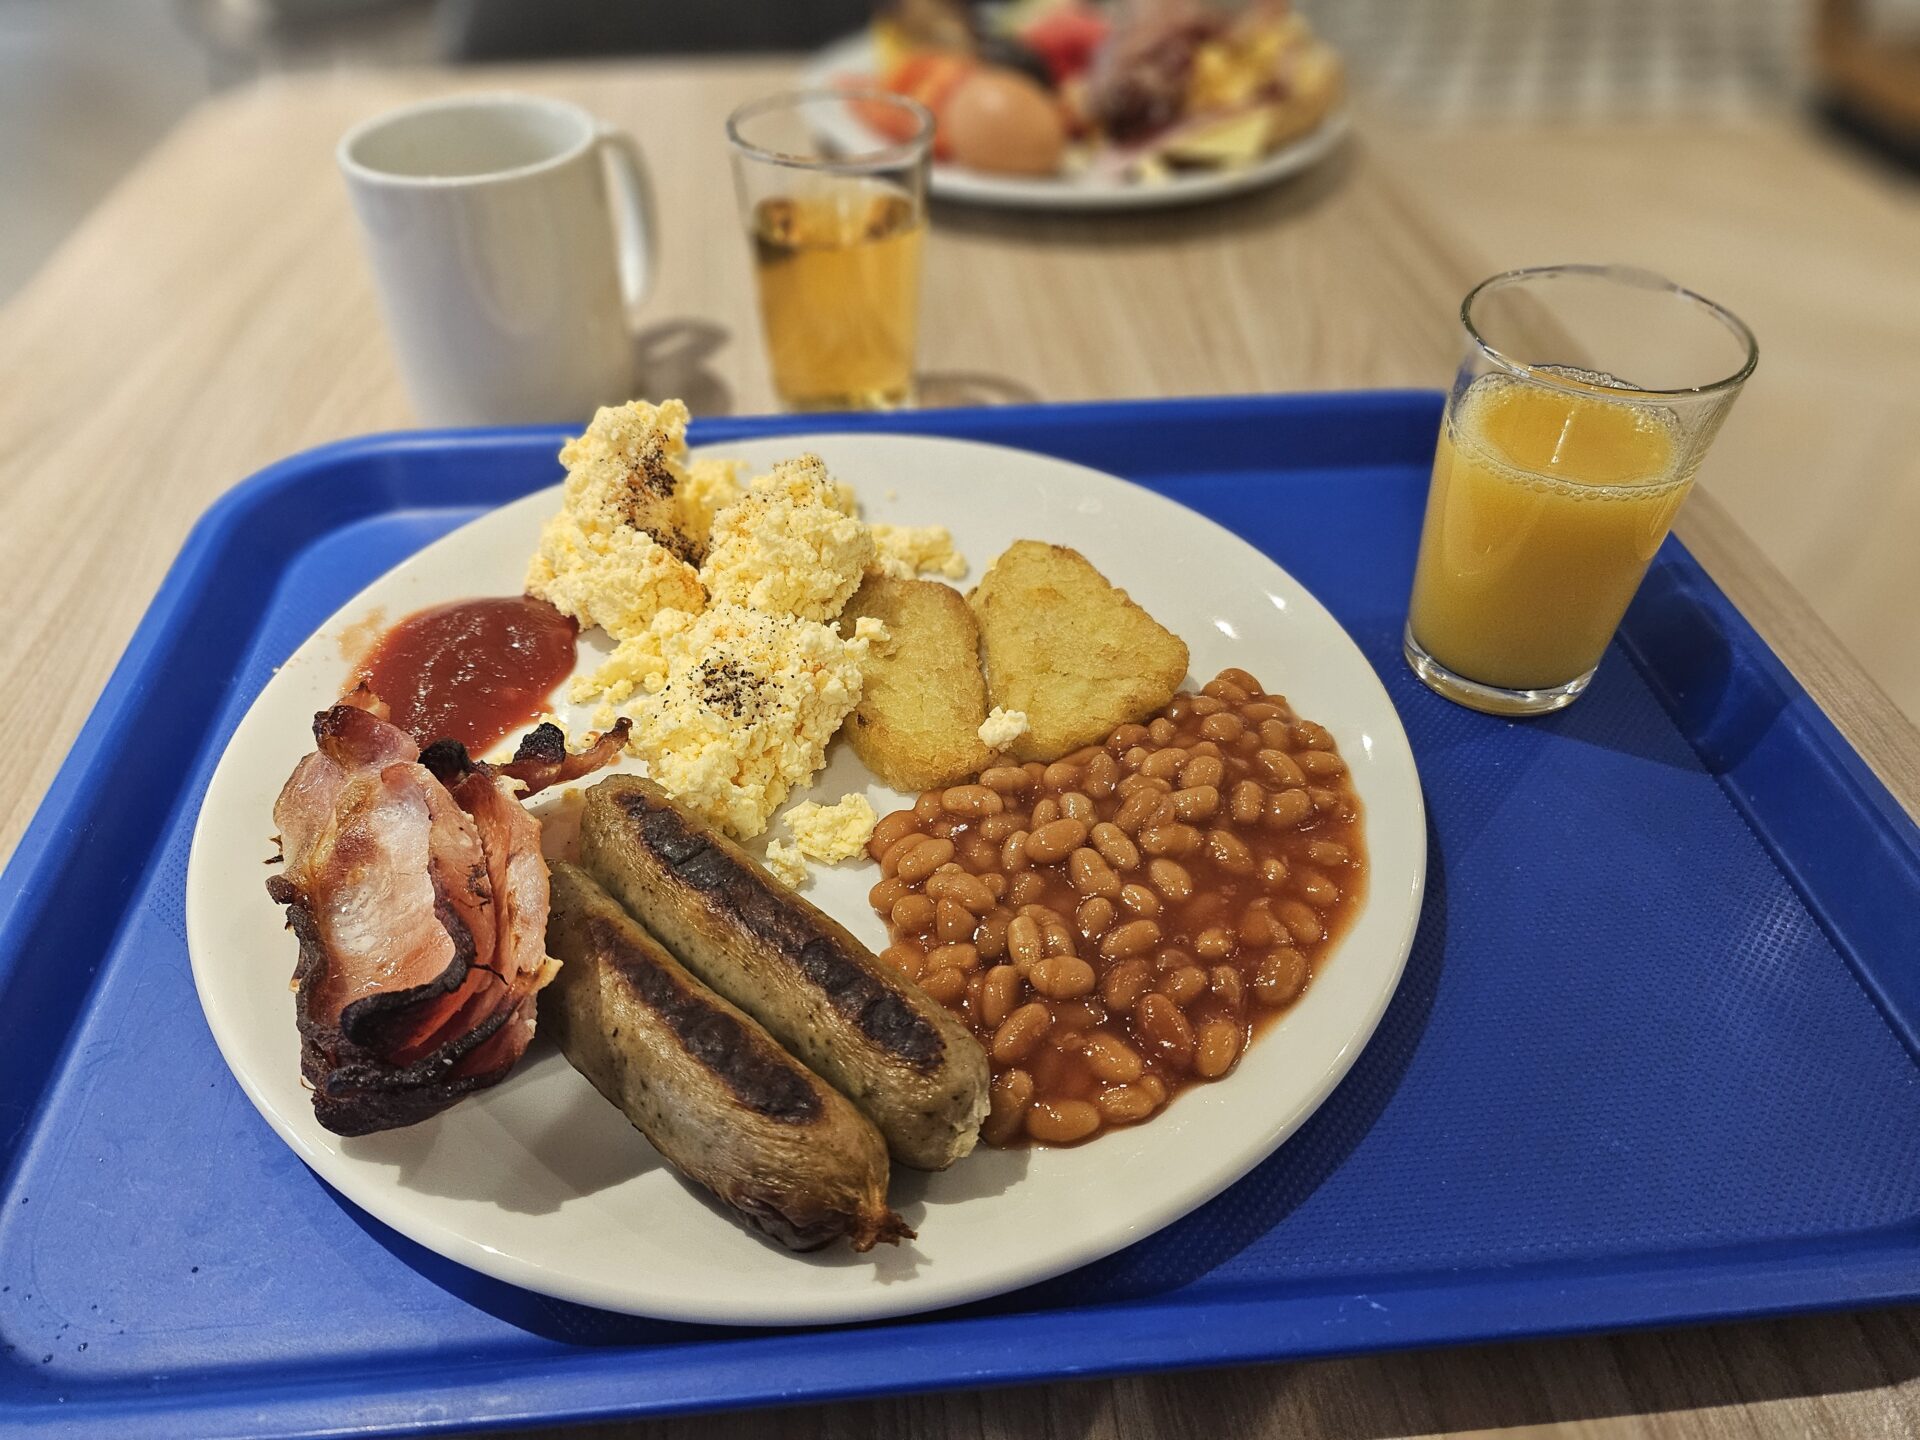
<point>415,886</point>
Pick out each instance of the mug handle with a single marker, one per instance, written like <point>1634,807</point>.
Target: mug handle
<point>632,193</point>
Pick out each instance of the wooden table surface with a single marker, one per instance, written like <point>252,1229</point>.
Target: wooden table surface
<point>215,315</point>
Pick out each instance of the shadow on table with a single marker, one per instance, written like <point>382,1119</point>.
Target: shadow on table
<point>673,357</point>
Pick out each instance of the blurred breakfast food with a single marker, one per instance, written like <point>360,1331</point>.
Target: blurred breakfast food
<point>1132,89</point>
<point>856,1022</point>
<point>721,597</point>
<point>1117,924</point>
<point>1068,650</point>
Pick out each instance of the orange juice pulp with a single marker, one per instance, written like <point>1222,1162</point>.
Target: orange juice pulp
<point>1545,509</point>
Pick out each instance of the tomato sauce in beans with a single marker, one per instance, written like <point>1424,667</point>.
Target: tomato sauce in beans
<point>1117,925</point>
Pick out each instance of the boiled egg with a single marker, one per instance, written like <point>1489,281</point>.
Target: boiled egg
<point>1002,121</point>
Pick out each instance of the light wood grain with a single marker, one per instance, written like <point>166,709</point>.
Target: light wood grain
<point>214,315</point>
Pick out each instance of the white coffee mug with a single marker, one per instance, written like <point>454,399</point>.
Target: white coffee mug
<point>508,267</point>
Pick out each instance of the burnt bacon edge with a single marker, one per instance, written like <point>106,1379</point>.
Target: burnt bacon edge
<point>728,883</point>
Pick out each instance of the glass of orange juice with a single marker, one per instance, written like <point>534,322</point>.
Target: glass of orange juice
<point>833,192</point>
<point>1588,396</point>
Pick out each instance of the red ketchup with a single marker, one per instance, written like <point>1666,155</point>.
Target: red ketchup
<point>473,671</point>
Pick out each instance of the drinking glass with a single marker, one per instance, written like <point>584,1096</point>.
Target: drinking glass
<point>1588,396</point>
<point>833,193</point>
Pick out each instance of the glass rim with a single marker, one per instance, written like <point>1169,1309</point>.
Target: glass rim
<point>889,155</point>
<point>1627,274</point>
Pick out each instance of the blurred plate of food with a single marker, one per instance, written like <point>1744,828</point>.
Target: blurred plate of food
<point>1081,105</point>
<point>953,934</point>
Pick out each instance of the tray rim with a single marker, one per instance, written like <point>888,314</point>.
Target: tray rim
<point>585,1383</point>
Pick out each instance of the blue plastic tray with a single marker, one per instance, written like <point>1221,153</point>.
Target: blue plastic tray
<point>1654,1058</point>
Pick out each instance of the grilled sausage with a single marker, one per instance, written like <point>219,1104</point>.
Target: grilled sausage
<point>890,1048</point>
<point>712,1090</point>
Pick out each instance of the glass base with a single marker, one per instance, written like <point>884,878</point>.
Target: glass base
<point>1493,699</point>
<point>893,398</point>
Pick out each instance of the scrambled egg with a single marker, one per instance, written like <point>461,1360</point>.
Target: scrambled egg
<point>904,551</point>
<point>616,555</point>
<point>709,487</point>
<point>831,832</point>
<point>785,865</point>
<point>789,546</point>
<point>1002,727</point>
<point>740,705</point>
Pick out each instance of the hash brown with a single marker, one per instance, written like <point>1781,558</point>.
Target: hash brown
<point>920,711</point>
<point>1070,649</point>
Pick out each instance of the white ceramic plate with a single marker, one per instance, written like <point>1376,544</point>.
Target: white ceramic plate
<point>854,56</point>
<point>541,1183</point>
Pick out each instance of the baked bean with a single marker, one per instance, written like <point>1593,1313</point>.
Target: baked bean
<point>1076,806</point>
<point>1125,983</point>
<point>1161,1027</point>
<point>997,828</point>
<point>1008,1098</point>
<point>953,922</point>
<point>1131,760</point>
<point>1320,764</point>
<point>912,912</point>
<point>1163,839</point>
<point>1170,878</point>
<point>928,806</point>
<point>1140,900</point>
<point>1279,768</point>
<point>945,985</point>
<point>1091,873</point>
<point>990,935</point>
<point>1171,959</point>
<point>1206,750</point>
<point>1061,776</point>
<point>1045,812</point>
<point>1057,937</point>
<point>1257,926</point>
<point>1222,726</point>
<point>1215,942</point>
<point>1103,773</point>
<point>962,956</point>
<point>1276,734</point>
<point>1162,730</point>
<point>1330,853</point>
<point>1025,943</point>
<point>1196,804</point>
<point>1185,985</point>
<point>1300,921</point>
<point>1094,916</point>
<point>1025,888</point>
<point>1017,1036</point>
<point>1280,976</point>
<point>1205,705</point>
<point>979,853</point>
<point>964,889</point>
<point>890,831</point>
<point>1164,764</point>
<point>1013,852</point>
<point>1055,840</point>
<point>1310,736</point>
<point>1234,675</point>
<point>1203,772</point>
<point>927,855</point>
<point>1061,1122</point>
<point>1006,779</point>
<point>1317,889</point>
<point>1216,1045</point>
<point>1114,846</point>
<point>1082,755</point>
<point>1126,1104</point>
<point>1135,810</point>
<point>1111,1059</point>
<point>1130,939</point>
<point>1288,809</point>
<point>1327,802</point>
<point>1062,977</point>
<point>1247,803</point>
<point>906,957</point>
<point>1125,737</point>
<point>1226,985</point>
<point>1035,771</point>
<point>1273,873</point>
<point>1229,852</point>
<point>996,884</point>
<point>974,801</point>
<point>999,994</point>
<point>1225,690</point>
<point>896,852</point>
<point>884,896</point>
